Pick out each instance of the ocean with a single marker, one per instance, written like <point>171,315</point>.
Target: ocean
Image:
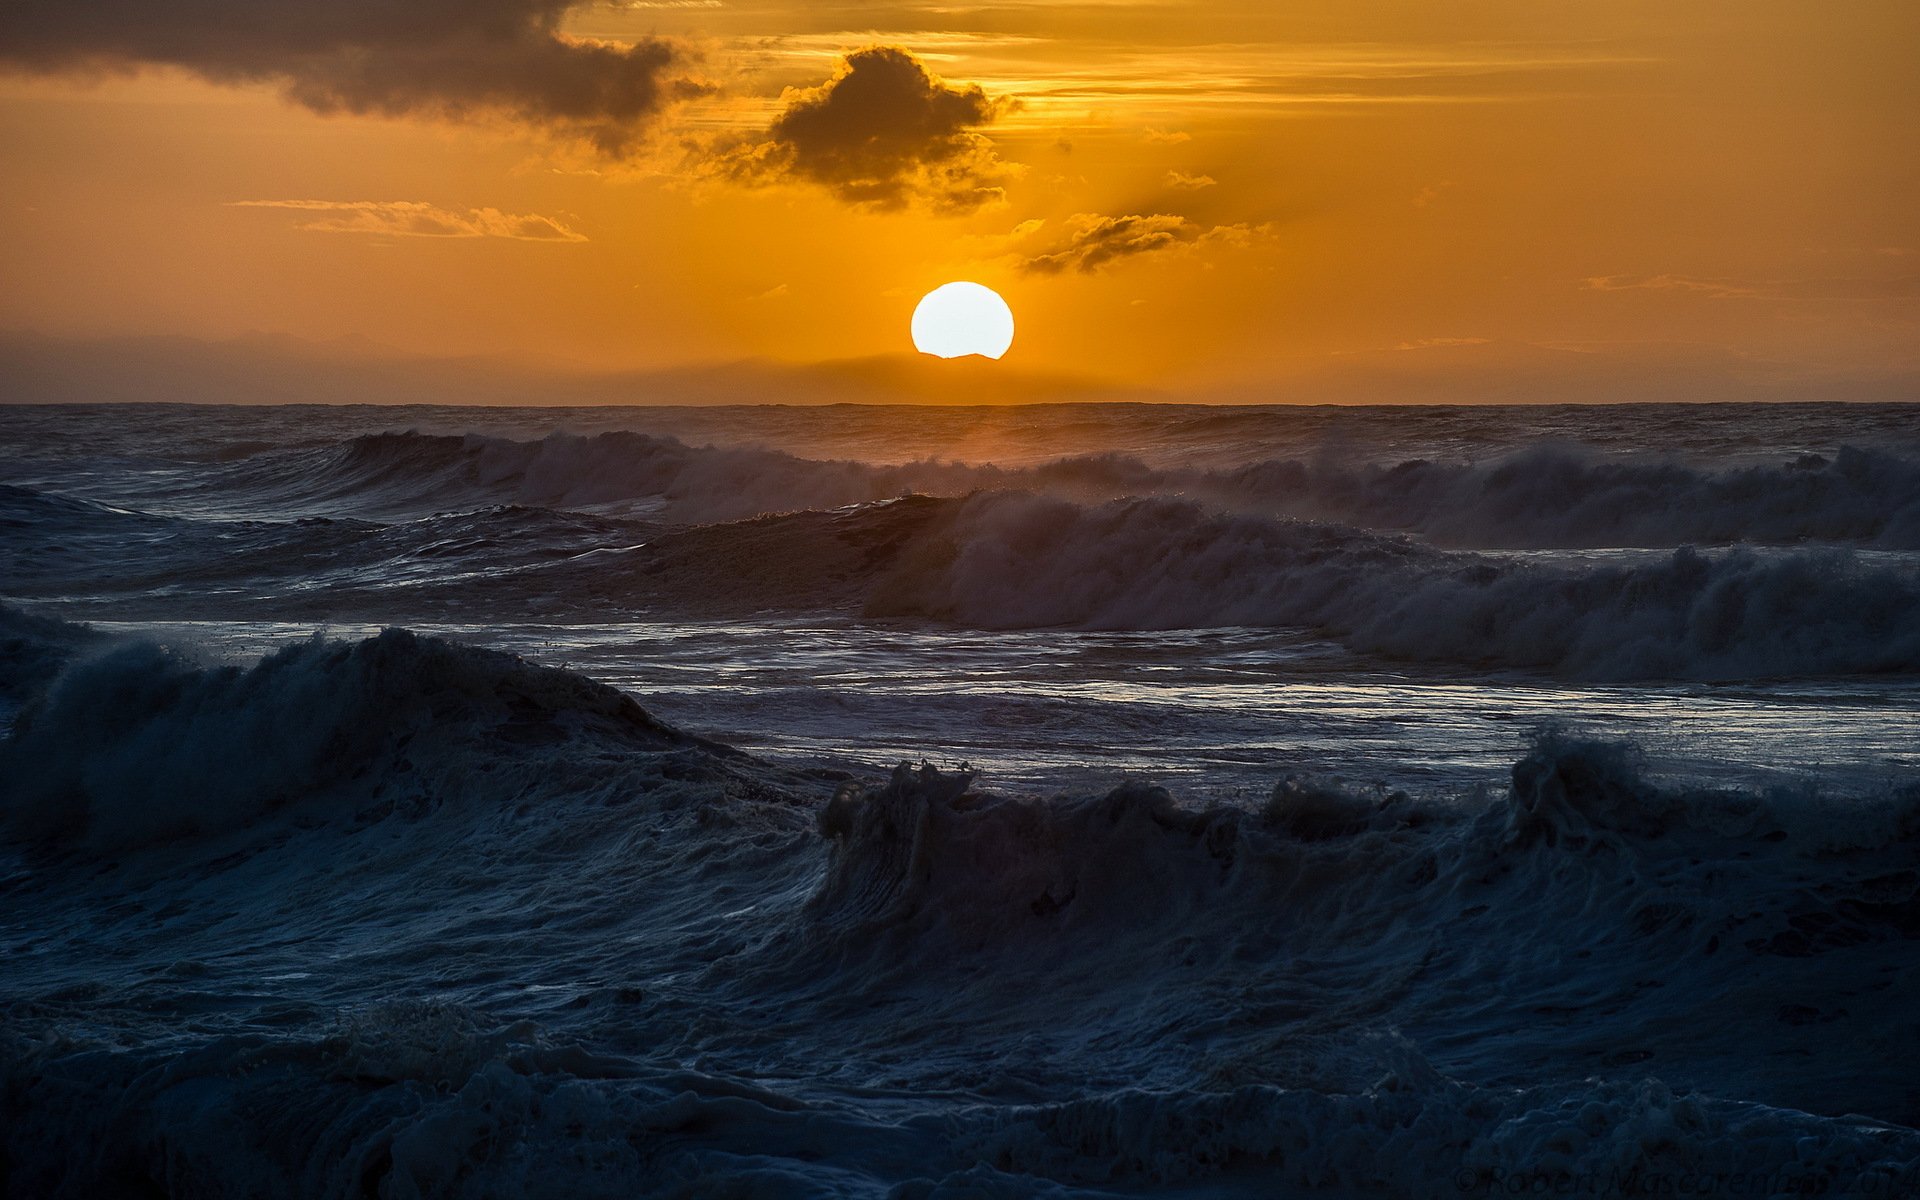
<point>1062,800</point>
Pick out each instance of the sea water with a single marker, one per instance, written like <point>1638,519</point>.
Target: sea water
<point>1130,799</point>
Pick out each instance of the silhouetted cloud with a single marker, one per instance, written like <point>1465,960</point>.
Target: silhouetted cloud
<point>883,132</point>
<point>445,58</point>
<point>1090,241</point>
<point>409,218</point>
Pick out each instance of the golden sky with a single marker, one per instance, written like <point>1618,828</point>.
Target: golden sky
<point>1235,197</point>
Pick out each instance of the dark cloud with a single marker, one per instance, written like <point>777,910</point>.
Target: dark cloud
<point>1093,240</point>
<point>883,132</point>
<point>445,58</point>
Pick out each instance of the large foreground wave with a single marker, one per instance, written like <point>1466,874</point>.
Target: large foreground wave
<point>486,929</point>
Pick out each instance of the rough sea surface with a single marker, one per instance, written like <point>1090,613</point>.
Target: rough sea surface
<point>1131,800</point>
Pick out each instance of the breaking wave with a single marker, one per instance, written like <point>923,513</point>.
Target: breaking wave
<point>1539,497</point>
<point>1011,561</point>
<point>1008,560</point>
<point>135,743</point>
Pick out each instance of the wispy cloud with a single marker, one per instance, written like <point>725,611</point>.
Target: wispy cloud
<point>1899,287</point>
<point>1440,343</point>
<point>1090,242</point>
<point>1153,87</point>
<point>1180,181</point>
<point>409,218</point>
<point>1719,289</point>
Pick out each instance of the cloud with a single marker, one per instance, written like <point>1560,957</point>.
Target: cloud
<point>457,59</point>
<point>1900,288</point>
<point>1183,182</point>
<point>1091,241</point>
<point>1718,288</point>
<point>408,218</point>
<point>882,133</point>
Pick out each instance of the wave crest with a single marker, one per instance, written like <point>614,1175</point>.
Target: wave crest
<point>1009,561</point>
<point>138,744</point>
<point>1542,496</point>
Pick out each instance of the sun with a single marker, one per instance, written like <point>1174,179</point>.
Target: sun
<point>958,319</point>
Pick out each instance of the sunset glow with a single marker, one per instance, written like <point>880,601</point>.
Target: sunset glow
<point>1238,200</point>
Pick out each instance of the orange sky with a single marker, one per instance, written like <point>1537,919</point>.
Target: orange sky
<point>1219,196</point>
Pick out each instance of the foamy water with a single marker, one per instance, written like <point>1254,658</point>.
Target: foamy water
<point>1369,801</point>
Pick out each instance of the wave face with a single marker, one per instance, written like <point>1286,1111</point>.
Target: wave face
<point>1492,477</point>
<point>135,745</point>
<point>515,935</point>
<point>1011,561</point>
<point>1541,497</point>
<point>1022,562</point>
<point>34,649</point>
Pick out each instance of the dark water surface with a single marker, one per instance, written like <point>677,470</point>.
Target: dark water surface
<point>1369,801</point>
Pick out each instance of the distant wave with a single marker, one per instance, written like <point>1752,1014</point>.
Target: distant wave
<point>409,473</point>
<point>1008,560</point>
<point>58,545</point>
<point>1543,496</point>
<point>1552,496</point>
<point>1015,561</point>
<point>1011,561</point>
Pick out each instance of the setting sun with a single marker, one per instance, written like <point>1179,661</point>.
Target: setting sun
<point>958,319</point>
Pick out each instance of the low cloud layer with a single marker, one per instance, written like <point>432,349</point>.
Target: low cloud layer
<point>883,133</point>
<point>1898,287</point>
<point>1718,288</point>
<point>1090,242</point>
<point>408,218</point>
<point>456,59</point>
